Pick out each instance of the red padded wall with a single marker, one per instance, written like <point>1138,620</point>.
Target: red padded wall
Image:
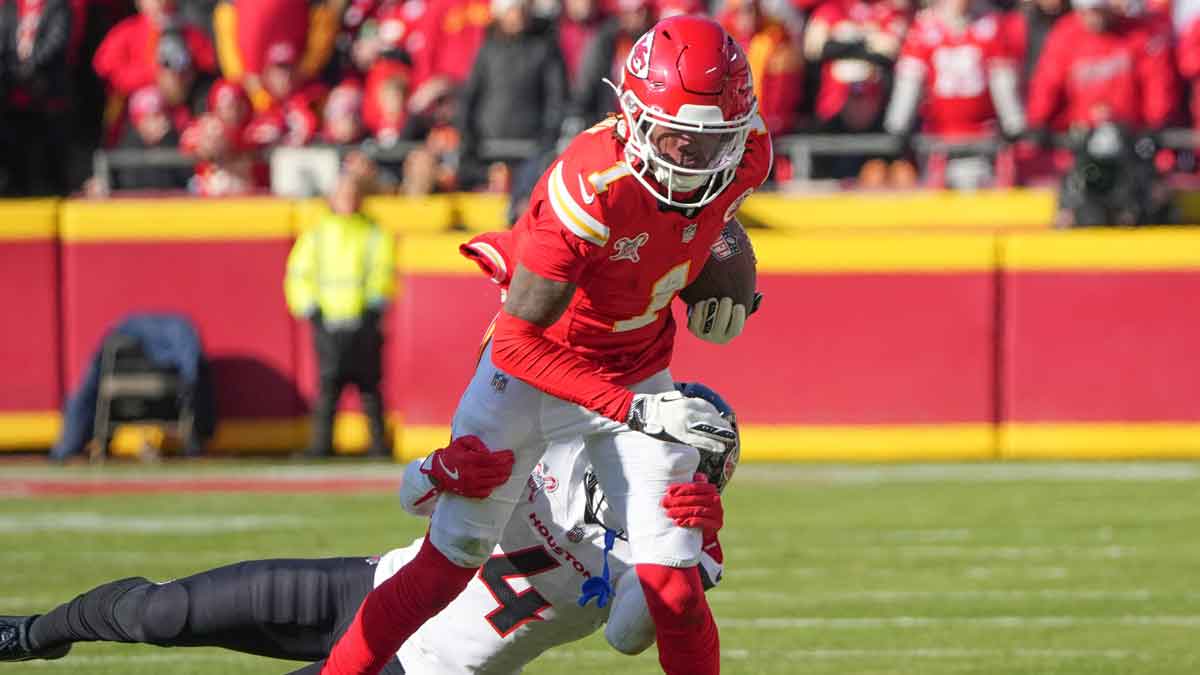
<point>1101,346</point>
<point>232,290</point>
<point>857,349</point>
<point>29,343</point>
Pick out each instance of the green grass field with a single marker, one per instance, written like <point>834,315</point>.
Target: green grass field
<point>938,569</point>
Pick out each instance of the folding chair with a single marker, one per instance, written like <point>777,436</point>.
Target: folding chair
<point>133,389</point>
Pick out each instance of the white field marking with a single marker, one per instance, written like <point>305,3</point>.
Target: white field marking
<point>8,603</point>
<point>940,551</point>
<point>750,572</point>
<point>835,654</point>
<point>789,623</point>
<point>1004,552</point>
<point>1029,572</point>
<point>982,472</point>
<point>986,472</point>
<point>140,555</point>
<point>927,536</point>
<point>91,521</point>
<point>817,597</point>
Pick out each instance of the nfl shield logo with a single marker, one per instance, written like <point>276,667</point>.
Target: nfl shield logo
<point>499,382</point>
<point>575,534</point>
<point>689,233</point>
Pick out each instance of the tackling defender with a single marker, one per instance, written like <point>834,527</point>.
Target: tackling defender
<point>620,223</point>
<point>296,609</point>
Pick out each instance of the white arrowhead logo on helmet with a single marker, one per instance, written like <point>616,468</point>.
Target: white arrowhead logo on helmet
<point>639,56</point>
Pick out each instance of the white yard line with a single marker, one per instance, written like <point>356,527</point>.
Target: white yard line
<point>92,521</point>
<point>918,653</point>
<point>789,623</point>
<point>901,596</point>
<point>985,472</point>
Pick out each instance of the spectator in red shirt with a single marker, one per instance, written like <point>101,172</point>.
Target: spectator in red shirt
<point>857,42</point>
<point>775,62</point>
<point>957,61</point>
<point>228,165</point>
<point>250,35</point>
<point>128,58</point>
<point>455,30</point>
<point>1099,66</point>
<point>577,27</point>
<point>343,118</point>
<point>290,117</point>
<point>384,108</point>
<point>395,31</point>
<point>1189,65</point>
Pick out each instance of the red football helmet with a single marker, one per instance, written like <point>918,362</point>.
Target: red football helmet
<point>688,105</point>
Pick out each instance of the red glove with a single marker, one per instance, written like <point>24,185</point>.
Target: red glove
<point>468,468</point>
<point>695,504</point>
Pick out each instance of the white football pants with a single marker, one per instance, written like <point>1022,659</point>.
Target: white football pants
<point>634,469</point>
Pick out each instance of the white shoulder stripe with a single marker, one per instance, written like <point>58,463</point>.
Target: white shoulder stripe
<point>571,214</point>
<point>488,251</point>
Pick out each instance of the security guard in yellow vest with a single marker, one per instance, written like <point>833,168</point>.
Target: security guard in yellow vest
<point>341,277</point>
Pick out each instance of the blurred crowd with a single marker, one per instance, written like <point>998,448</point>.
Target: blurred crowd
<point>477,94</point>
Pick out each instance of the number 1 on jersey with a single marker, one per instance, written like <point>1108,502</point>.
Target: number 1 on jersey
<point>660,297</point>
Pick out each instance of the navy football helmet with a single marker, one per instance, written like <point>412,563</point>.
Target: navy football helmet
<point>718,467</point>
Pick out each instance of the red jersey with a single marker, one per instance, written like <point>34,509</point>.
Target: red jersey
<point>848,19</point>
<point>591,223</point>
<point>1189,65</point>
<point>954,62</point>
<point>128,56</point>
<point>452,32</point>
<point>1125,74</point>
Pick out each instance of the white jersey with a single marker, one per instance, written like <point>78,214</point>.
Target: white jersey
<point>525,599</point>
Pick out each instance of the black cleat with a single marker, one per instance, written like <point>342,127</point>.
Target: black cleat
<point>14,641</point>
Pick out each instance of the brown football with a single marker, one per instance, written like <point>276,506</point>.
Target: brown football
<point>729,272</point>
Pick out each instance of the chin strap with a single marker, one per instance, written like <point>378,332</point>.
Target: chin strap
<point>600,587</point>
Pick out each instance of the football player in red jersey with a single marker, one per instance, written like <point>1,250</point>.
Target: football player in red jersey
<point>622,221</point>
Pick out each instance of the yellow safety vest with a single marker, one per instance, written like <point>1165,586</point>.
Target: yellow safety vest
<point>342,265</point>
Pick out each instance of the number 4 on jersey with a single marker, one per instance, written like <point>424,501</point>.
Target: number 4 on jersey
<point>516,609</point>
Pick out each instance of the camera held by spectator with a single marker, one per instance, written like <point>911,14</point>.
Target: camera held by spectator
<point>1114,181</point>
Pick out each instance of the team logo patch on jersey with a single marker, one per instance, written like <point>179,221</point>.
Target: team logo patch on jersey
<point>627,247</point>
<point>639,56</point>
<point>689,233</point>
<point>499,382</point>
<point>726,246</point>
